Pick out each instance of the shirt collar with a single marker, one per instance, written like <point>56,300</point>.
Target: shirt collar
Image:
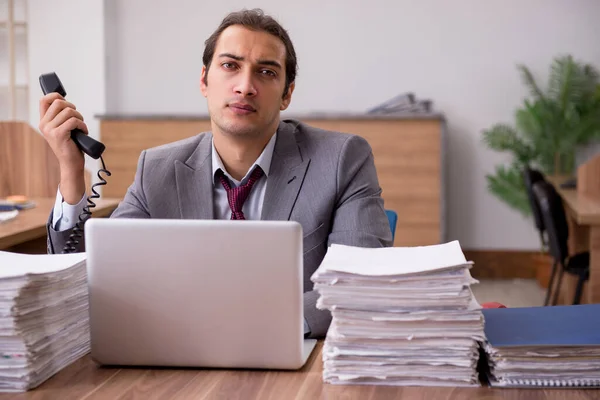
<point>263,161</point>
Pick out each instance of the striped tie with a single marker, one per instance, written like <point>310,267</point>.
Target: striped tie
<point>237,196</point>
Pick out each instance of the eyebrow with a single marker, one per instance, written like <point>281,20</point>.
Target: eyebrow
<point>272,63</point>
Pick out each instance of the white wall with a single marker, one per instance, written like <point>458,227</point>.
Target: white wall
<point>352,55</point>
<point>67,37</point>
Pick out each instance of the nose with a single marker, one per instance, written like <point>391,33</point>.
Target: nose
<point>245,85</point>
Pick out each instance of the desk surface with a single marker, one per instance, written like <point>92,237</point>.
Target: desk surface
<point>585,210</point>
<point>31,224</point>
<point>83,379</point>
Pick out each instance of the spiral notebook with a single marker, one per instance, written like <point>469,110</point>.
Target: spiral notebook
<point>543,346</point>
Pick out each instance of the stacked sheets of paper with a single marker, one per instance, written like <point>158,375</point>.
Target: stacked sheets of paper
<point>401,316</point>
<point>543,346</point>
<point>44,322</point>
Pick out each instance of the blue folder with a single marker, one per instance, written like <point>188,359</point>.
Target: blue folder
<point>543,326</point>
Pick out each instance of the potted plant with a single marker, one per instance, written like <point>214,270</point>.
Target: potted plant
<point>549,128</point>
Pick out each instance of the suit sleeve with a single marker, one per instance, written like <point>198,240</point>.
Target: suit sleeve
<point>359,217</point>
<point>134,205</point>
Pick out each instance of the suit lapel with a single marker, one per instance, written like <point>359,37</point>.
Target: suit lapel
<point>195,182</point>
<point>286,175</point>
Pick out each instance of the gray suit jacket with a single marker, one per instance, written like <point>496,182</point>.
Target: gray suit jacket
<point>324,180</point>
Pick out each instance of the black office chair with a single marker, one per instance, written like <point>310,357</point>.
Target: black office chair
<point>531,177</point>
<point>555,223</point>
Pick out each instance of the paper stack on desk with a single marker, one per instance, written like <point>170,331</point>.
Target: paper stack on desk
<point>44,323</point>
<point>401,316</point>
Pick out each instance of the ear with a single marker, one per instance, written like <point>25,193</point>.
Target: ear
<point>287,99</point>
<point>203,82</point>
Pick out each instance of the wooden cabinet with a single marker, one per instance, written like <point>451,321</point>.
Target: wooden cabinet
<point>409,157</point>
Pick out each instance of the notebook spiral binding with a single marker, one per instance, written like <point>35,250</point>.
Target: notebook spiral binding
<point>551,383</point>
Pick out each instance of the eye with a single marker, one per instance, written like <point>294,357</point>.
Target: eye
<point>228,65</point>
<point>267,72</point>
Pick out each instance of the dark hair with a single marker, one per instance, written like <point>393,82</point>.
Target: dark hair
<point>256,20</point>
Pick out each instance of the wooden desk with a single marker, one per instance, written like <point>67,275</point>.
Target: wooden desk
<point>30,225</point>
<point>583,217</point>
<point>84,380</point>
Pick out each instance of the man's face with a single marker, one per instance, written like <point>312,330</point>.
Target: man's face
<point>245,83</point>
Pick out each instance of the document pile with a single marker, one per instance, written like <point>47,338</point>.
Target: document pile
<point>43,317</point>
<point>405,103</point>
<point>401,316</point>
<point>543,346</point>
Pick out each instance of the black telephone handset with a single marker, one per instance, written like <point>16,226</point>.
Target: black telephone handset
<point>93,148</point>
<point>50,83</point>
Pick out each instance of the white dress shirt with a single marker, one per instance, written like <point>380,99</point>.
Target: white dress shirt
<point>65,215</point>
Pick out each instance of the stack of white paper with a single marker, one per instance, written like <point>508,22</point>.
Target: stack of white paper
<point>401,316</point>
<point>43,317</point>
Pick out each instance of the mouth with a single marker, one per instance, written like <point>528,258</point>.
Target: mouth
<point>242,107</point>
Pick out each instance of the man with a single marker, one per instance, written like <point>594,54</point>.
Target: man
<point>284,170</point>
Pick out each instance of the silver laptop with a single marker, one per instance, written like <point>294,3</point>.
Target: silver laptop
<point>196,293</point>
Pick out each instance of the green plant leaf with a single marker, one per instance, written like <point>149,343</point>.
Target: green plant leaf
<point>508,186</point>
<point>502,137</point>
<point>527,78</point>
<point>565,84</point>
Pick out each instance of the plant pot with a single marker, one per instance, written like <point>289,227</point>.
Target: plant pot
<point>543,268</point>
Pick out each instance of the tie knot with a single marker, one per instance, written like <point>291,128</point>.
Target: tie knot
<point>236,196</point>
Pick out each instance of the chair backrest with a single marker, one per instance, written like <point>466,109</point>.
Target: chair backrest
<point>393,219</point>
<point>555,219</point>
<point>531,177</point>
